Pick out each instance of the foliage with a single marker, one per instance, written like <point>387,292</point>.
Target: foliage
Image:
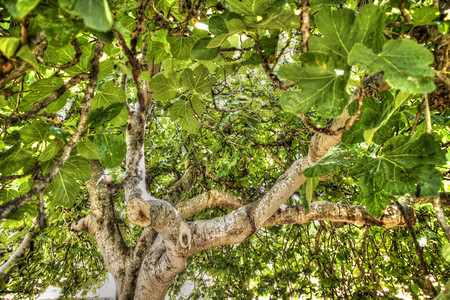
<point>219,103</point>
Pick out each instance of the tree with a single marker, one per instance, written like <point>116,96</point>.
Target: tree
<point>148,137</point>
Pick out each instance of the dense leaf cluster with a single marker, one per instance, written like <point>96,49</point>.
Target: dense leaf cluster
<point>228,79</point>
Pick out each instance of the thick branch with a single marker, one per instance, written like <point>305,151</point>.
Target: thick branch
<point>212,198</point>
<point>338,212</point>
<point>101,223</point>
<point>163,217</point>
<point>42,181</point>
<point>236,227</point>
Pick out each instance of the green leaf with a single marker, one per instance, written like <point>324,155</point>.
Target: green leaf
<point>41,90</point>
<point>311,184</point>
<point>368,27</point>
<point>201,51</point>
<point>321,87</point>
<point>405,163</point>
<point>65,189</point>
<point>38,131</point>
<point>424,16</point>
<point>15,161</point>
<point>337,155</point>
<point>108,95</point>
<point>157,51</point>
<point>284,21</point>
<point>375,202</point>
<point>86,149</point>
<point>20,8</point>
<point>95,13</point>
<point>181,46</point>
<point>78,167</point>
<point>106,68</point>
<point>252,7</point>
<point>9,45</point>
<point>218,40</point>
<point>337,34</point>
<point>198,80</point>
<point>217,25</point>
<point>182,111</point>
<point>110,149</point>
<point>405,64</point>
<point>52,150</point>
<point>166,88</point>
<point>59,55</point>
<point>26,54</point>
<point>84,65</point>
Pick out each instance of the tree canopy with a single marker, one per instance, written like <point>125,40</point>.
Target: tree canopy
<point>250,148</point>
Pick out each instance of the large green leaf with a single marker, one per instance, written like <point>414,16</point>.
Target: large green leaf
<point>110,149</point>
<point>78,167</point>
<point>217,25</point>
<point>108,96</point>
<point>15,161</point>
<point>425,16</point>
<point>341,29</point>
<point>65,189</point>
<point>59,55</point>
<point>201,51</point>
<point>320,86</point>
<point>52,150</point>
<point>39,131</point>
<point>336,27</point>
<point>283,21</point>
<point>182,112</point>
<point>337,155</point>
<point>368,27</point>
<point>157,51</point>
<point>86,149</point>
<point>253,7</point>
<point>198,80</point>
<point>405,64</point>
<point>20,8</point>
<point>181,46</point>
<point>166,88</point>
<point>401,166</point>
<point>95,13</point>
<point>42,89</point>
<point>84,65</point>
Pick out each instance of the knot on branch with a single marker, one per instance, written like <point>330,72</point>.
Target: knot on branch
<point>138,212</point>
<point>184,237</point>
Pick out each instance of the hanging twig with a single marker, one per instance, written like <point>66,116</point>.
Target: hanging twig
<point>423,266</point>
<point>417,119</point>
<point>440,217</point>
